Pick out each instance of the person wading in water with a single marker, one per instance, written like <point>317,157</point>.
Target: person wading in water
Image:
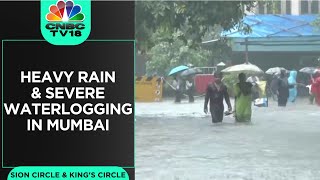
<point>243,98</point>
<point>283,89</point>
<point>215,93</point>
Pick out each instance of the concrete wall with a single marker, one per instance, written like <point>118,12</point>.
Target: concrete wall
<point>295,7</point>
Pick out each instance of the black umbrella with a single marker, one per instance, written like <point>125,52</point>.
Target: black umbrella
<point>190,72</point>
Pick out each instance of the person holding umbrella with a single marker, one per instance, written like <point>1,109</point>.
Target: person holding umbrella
<point>315,89</point>
<point>188,76</point>
<point>310,88</point>
<point>314,73</point>
<point>283,89</point>
<point>190,88</point>
<point>215,93</point>
<point>254,80</point>
<point>176,87</point>
<point>274,86</point>
<point>179,83</point>
<point>292,81</point>
<point>243,98</point>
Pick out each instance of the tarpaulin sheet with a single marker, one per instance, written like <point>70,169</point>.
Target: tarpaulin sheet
<point>269,25</point>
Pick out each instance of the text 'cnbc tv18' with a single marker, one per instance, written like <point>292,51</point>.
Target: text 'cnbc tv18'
<point>65,22</point>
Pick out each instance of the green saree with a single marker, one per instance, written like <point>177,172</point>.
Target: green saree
<point>243,103</point>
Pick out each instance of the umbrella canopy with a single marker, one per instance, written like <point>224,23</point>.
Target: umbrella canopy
<point>308,70</point>
<point>190,72</point>
<point>275,70</point>
<point>245,68</point>
<point>177,69</point>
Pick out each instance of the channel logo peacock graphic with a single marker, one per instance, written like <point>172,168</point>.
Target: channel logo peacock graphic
<point>65,19</point>
<point>65,12</point>
<point>65,22</point>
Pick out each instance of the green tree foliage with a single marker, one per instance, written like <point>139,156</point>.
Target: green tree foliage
<point>230,80</point>
<point>193,18</point>
<point>170,33</point>
<point>166,55</point>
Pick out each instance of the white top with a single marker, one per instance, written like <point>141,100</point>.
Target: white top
<point>188,85</point>
<point>253,79</point>
<point>309,87</point>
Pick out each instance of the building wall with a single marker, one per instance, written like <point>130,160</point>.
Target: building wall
<point>294,7</point>
<point>288,60</point>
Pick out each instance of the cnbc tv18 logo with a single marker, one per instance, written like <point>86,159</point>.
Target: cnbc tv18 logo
<point>65,19</point>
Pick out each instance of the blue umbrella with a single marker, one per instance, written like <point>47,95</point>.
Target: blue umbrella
<point>177,69</point>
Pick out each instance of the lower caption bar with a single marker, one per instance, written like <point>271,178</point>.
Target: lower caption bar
<point>68,173</point>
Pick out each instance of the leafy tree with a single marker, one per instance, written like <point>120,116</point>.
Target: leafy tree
<point>192,18</point>
<point>170,33</point>
<point>166,55</point>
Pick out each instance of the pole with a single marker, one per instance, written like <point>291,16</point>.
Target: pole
<point>246,53</point>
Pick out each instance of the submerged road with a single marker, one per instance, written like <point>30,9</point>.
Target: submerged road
<point>179,142</point>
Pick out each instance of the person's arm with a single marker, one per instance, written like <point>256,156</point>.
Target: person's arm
<point>236,94</point>
<point>227,99</point>
<point>206,100</point>
<point>250,85</point>
<point>311,79</point>
<point>258,80</point>
<point>291,84</point>
<point>188,84</point>
<point>279,85</point>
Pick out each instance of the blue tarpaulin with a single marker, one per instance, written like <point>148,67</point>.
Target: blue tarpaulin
<point>277,33</point>
<point>277,26</point>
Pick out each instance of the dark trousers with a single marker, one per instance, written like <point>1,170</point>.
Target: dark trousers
<point>282,101</point>
<point>190,95</point>
<point>217,113</point>
<point>191,98</point>
<point>178,96</point>
<point>311,98</point>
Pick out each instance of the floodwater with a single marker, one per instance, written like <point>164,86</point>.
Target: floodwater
<point>179,142</point>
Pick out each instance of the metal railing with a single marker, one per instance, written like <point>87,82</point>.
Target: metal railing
<point>207,70</point>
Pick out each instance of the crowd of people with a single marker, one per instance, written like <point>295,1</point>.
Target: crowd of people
<point>283,85</point>
<point>182,85</point>
<point>285,88</point>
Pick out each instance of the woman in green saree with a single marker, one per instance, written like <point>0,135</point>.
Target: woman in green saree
<point>243,99</point>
